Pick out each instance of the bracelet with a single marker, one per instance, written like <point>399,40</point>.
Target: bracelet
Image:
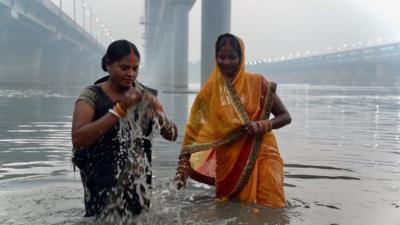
<point>119,110</point>
<point>184,161</point>
<point>182,175</point>
<point>182,169</point>
<point>112,111</point>
<point>269,125</point>
<point>259,127</point>
<point>184,156</point>
<point>266,125</point>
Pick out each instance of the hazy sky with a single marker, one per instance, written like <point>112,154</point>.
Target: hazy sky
<point>273,28</point>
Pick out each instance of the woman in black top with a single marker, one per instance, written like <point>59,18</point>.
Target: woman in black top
<point>106,153</point>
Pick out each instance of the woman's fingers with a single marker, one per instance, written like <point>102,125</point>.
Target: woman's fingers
<point>132,97</point>
<point>153,102</point>
<point>180,181</point>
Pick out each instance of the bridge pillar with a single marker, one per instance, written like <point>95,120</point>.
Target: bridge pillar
<point>54,62</point>
<point>167,58</point>
<point>181,41</point>
<point>363,74</point>
<point>385,75</point>
<point>76,60</point>
<point>20,63</point>
<point>215,20</point>
<point>345,75</point>
<point>68,64</point>
<point>83,67</point>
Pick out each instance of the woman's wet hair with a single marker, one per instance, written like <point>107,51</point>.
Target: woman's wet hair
<point>228,38</point>
<point>118,50</point>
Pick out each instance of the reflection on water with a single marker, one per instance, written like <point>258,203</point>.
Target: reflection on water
<point>342,155</point>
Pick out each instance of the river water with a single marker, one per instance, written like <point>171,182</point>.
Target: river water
<point>341,153</point>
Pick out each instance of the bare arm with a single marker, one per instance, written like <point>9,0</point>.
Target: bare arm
<point>282,116</point>
<point>168,131</point>
<point>85,131</point>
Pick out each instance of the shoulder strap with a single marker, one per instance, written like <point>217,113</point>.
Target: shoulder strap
<point>95,89</point>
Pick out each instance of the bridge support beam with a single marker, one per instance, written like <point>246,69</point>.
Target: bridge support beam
<point>363,74</point>
<point>167,58</point>
<point>385,75</point>
<point>215,20</point>
<point>167,42</point>
<point>20,64</point>
<point>55,61</point>
<point>83,67</point>
<point>181,41</point>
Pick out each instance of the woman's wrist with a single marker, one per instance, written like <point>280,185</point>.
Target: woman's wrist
<point>161,118</point>
<point>265,125</point>
<point>184,157</point>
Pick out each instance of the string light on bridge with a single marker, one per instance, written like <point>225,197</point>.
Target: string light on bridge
<point>343,47</point>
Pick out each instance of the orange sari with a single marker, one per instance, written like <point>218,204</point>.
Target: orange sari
<point>248,167</point>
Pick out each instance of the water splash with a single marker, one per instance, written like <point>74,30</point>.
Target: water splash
<point>134,175</point>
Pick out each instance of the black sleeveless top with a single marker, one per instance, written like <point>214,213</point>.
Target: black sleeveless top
<point>102,162</point>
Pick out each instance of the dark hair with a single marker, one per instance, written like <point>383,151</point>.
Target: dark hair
<point>233,42</point>
<point>117,50</point>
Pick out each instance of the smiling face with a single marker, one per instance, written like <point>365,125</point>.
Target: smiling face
<point>125,71</point>
<point>228,60</point>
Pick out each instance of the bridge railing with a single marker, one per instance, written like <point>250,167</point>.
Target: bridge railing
<point>342,57</point>
<point>80,14</point>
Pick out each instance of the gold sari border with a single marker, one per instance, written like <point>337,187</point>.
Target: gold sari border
<point>189,149</point>
<point>236,101</point>
<point>257,143</point>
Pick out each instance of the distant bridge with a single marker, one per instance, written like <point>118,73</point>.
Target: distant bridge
<point>377,65</point>
<point>40,43</point>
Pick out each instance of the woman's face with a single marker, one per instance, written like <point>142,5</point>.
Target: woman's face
<point>125,71</point>
<point>228,60</point>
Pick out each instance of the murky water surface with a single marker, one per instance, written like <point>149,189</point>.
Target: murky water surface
<point>341,153</point>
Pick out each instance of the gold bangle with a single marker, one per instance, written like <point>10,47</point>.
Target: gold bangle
<point>269,125</point>
<point>113,112</point>
<point>266,125</point>
<point>119,110</point>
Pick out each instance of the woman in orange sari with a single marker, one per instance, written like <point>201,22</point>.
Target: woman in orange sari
<point>228,138</point>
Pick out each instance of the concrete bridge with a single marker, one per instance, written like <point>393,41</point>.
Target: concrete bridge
<point>376,65</point>
<point>39,43</point>
<point>166,38</point>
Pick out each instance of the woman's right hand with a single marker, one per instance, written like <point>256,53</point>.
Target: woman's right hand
<point>252,127</point>
<point>180,181</point>
<point>131,97</point>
